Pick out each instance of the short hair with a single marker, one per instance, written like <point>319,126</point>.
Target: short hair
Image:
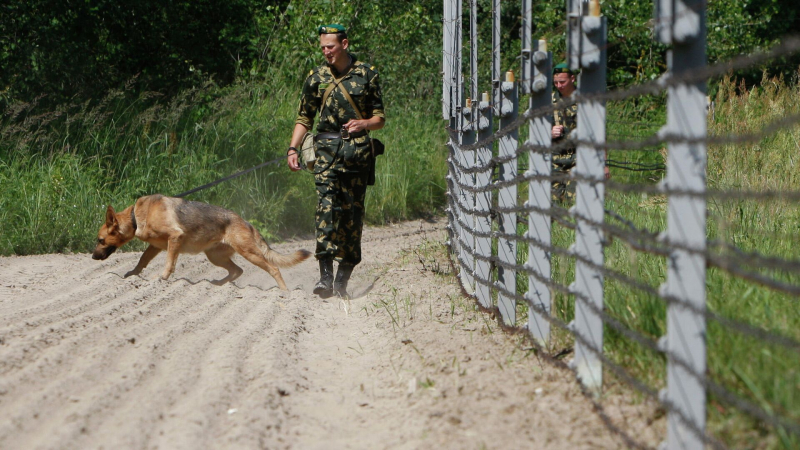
<point>341,36</point>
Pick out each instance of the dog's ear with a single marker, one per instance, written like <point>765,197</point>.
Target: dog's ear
<point>111,217</point>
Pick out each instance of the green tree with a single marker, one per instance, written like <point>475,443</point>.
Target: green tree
<point>67,49</point>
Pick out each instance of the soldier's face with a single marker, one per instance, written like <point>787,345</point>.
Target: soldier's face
<point>335,52</point>
<point>565,83</point>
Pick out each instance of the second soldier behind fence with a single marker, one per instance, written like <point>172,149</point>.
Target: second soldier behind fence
<point>344,156</point>
<point>564,123</point>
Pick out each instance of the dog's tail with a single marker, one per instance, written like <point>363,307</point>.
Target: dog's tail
<point>279,259</point>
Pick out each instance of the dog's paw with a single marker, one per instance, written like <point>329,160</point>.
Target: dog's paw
<point>132,273</point>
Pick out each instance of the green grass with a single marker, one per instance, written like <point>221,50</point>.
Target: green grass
<point>61,168</point>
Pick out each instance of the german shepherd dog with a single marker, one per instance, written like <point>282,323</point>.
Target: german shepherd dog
<point>182,226</point>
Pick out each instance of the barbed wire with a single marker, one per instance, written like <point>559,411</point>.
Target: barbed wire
<point>545,354</point>
<point>618,370</point>
<point>661,248</point>
<point>724,394</point>
<point>788,46</point>
<point>645,144</point>
<point>727,263</point>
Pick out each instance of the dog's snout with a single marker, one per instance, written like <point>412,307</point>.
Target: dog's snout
<point>103,252</point>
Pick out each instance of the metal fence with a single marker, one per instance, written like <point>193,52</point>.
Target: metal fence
<point>489,224</point>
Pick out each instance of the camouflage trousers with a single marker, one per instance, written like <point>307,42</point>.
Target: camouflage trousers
<point>340,215</point>
<point>563,191</point>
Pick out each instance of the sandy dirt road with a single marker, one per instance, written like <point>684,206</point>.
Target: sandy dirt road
<point>91,360</point>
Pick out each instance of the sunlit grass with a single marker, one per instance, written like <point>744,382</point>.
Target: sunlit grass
<point>61,168</point>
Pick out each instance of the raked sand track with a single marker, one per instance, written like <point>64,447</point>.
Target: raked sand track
<point>90,360</point>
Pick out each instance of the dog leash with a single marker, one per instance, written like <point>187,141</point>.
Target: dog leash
<point>230,177</point>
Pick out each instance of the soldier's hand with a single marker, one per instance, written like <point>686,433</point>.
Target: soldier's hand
<point>558,131</point>
<point>292,162</point>
<point>356,125</point>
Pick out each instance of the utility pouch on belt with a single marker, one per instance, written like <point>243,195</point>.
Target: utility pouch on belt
<point>307,151</point>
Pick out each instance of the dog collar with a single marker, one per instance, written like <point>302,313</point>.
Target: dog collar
<point>133,217</point>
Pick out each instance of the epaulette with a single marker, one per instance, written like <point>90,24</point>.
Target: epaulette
<point>369,69</point>
<point>317,70</point>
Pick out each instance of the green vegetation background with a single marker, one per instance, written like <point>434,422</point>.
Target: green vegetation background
<point>105,101</point>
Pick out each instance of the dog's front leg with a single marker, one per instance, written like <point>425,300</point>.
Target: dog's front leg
<point>147,256</point>
<point>173,249</point>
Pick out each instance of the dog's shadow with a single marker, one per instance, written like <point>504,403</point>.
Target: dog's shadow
<point>200,281</point>
<point>355,296</point>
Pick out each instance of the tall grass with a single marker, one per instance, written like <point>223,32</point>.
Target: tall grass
<point>60,169</point>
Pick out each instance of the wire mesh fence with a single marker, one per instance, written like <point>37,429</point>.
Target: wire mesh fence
<point>655,283</point>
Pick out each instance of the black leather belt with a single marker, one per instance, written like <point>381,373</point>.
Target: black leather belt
<point>328,135</point>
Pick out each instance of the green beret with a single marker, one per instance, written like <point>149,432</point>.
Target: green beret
<point>563,68</point>
<point>331,29</point>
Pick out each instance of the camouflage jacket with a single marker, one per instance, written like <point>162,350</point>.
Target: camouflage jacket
<point>353,155</point>
<point>567,117</point>
<point>362,85</point>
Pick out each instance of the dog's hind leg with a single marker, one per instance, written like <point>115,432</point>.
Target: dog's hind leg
<point>256,257</point>
<point>221,256</point>
<point>147,256</point>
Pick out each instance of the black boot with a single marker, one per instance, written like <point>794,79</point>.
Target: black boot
<point>342,277</point>
<point>324,287</point>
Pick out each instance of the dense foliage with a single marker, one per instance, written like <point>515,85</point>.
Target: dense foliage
<point>66,50</point>
<point>63,50</point>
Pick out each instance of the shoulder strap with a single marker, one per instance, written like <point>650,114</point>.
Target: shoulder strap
<point>333,86</point>
<point>352,103</point>
<point>328,92</point>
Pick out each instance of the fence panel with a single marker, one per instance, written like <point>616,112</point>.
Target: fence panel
<point>483,193</point>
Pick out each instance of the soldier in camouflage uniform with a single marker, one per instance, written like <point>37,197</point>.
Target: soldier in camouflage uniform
<point>564,123</point>
<point>343,151</point>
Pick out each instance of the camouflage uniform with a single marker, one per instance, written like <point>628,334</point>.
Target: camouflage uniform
<point>564,158</point>
<point>343,164</point>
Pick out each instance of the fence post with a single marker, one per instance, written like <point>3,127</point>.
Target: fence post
<point>497,96</point>
<point>537,69</point>
<point>456,121</point>
<point>468,137</point>
<point>590,54</point>
<point>448,60</point>
<point>483,201</point>
<point>539,191</point>
<point>467,197</point>
<point>507,198</point>
<point>681,24</point>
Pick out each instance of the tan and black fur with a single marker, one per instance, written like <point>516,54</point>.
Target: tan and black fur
<point>182,226</point>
